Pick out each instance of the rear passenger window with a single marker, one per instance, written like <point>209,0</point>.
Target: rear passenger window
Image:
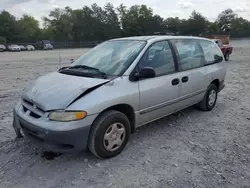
<point>189,54</point>
<point>211,51</point>
<point>159,56</point>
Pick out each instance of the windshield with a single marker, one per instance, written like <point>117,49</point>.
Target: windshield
<point>112,57</point>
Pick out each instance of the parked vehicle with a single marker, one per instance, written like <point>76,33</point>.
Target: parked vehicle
<point>225,38</point>
<point>2,48</point>
<point>119,85</point>
<point>226,49</point>
<point>30,47</point>
<point>45,45</point>
<point>22,47</point>
<point>14,48</point>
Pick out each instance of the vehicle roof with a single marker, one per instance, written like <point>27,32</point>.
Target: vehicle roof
<point>159,37</point>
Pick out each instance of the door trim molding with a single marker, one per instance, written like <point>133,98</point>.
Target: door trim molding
<point>162,105</point>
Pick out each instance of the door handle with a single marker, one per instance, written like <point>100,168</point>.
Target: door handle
<point>184,79</point>
<point>175,81</point>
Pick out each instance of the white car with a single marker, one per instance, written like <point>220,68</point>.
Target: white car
<point>22,47</point>
<point>14,48</point>
<point>2,48</point>
<point>30,47</point>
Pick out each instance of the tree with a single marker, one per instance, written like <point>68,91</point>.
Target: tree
<point>105,22</point>
<point>46,33</point>
<point>8,26</point>
<point>172,25</point>
<point>197,24</point>
<point>28,28</point>
<point>225,18</point>
<point>2,40</point>
<point>139,20</point>
<point>60,22</point>
<point>240,27</point>
<point>112,28</point>
<point>213,28</point>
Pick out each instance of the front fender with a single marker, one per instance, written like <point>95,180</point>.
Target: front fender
<point>118,91</point>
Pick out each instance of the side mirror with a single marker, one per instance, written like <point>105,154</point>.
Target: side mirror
<point>146,72</point>
<point>218,59</point>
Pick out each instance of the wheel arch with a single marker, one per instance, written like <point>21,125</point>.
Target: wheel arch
<point>127,110</point>
<point>216,82</point>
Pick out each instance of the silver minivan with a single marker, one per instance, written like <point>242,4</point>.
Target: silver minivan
<point>121,84</point>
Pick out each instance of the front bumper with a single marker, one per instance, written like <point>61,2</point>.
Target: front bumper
<point>53,140</point>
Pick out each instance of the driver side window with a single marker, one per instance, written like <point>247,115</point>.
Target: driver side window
<point>159,57</point>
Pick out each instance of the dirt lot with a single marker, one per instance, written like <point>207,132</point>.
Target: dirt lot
<point>188,149</point>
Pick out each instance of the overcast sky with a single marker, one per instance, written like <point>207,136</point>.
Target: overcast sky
<point>165,8</point>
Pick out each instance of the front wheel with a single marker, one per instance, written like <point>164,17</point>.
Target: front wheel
<point>209,99</point>
<point>109,134</point>
<point>227,56</point>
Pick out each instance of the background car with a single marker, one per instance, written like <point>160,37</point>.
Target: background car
<point>30,47</point>
<point>2,48</point>
<point>14,48</point>
<point>45,45</point>
<point>226,49</point>
<point>22,47</point>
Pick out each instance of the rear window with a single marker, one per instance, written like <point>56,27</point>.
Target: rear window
<point>211,51</point>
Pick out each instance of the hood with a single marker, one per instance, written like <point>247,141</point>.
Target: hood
<point>56,91</point>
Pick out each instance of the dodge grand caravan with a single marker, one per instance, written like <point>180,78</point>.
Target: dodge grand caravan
<point>119,85</point>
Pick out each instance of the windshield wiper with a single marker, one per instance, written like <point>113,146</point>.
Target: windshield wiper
<point>102,74</point>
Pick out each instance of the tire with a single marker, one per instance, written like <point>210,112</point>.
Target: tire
<point>102,126</point>
<point>206,104</point>
<point>227,56</point>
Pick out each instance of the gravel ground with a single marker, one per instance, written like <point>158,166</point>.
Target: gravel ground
<point>187,149</point>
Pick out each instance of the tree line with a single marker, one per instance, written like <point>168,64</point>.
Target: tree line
<point>101,23</point>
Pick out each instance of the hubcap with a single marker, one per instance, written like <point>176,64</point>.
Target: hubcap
<point>212,97</point>
<point>114,137</point>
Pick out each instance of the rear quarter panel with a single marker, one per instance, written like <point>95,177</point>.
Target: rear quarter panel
<point>215,71</point>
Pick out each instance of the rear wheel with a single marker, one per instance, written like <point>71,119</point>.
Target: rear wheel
<point>227,56</point>
<point>109,134</point>
<point>209,99</point>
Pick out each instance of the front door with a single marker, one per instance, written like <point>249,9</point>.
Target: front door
<point>158,94</point>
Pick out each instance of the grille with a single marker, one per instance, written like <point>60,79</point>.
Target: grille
<point>32,114</point>
<point>28,102</point>
<point>34,111</point>
<point>25,109</point>
<point>31,104</point>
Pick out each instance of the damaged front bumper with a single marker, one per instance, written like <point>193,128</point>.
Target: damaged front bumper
<point>51,135</point>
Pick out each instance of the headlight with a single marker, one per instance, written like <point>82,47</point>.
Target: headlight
<point>67,115</point>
